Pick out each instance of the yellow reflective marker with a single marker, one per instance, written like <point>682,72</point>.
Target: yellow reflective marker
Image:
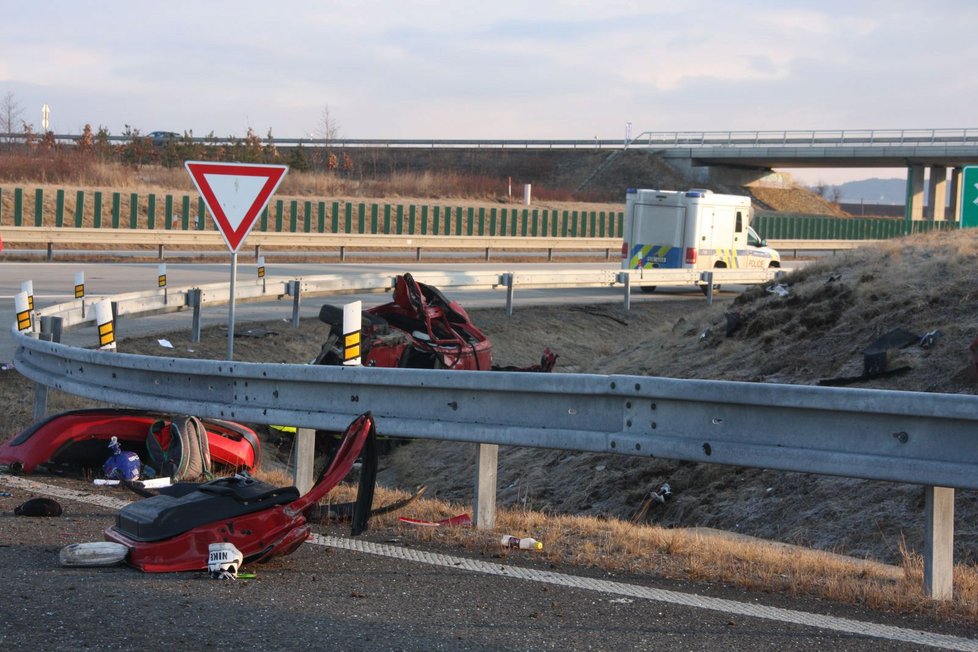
<point>23,312</point>
<point>106,334</point>
<point>24,321</point>
<point>351,346</point>
<point>80,291</point>
<point>106,325</point>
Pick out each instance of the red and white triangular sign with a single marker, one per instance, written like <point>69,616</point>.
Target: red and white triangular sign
<point>235,194</point>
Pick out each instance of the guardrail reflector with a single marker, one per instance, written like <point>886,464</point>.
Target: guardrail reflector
<point>106,327</point>
<point>352,316</point>
<point>24,324</point>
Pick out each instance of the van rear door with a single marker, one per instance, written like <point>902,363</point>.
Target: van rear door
<point>657,236</point>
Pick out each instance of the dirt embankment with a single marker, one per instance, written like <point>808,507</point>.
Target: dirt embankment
<point>793,200</point>
<point>818,331</point>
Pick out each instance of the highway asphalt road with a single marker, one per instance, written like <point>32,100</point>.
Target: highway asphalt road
<point>54,283</point>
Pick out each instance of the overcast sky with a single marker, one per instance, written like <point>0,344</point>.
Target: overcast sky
<point>541,69</point>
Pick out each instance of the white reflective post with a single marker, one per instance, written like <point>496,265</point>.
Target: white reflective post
<point>351,333</point>
<point>105,325</point>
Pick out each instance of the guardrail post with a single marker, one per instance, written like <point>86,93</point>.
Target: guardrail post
<point>257,251</point>
<point>115,319</point>
<point>626,280</point>
<point>507,280</point>
<point>305,453</point>
<point>484,505</point>
<point>550,254</point>
<point>295,291</point>
<point>193,299</point>
<point>160,254</point>
<point>51,328</point>
<point>939,543</point>
<point>487,254</point>
<point>707,277</point>
<point>50,251</point>
<point>342,253</point>
<point>417,254</point>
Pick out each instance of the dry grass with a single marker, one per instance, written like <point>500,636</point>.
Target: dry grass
<point>74,170</point>
<point>620,547</point>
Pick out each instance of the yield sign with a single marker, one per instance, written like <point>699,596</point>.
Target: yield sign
<point>235,194</point>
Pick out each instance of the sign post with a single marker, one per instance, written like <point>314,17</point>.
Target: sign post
<point>969,196</point>
<point>235,195</point>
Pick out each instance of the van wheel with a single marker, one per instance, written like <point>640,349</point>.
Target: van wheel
<point>704,289</point>
<point>647,289</point>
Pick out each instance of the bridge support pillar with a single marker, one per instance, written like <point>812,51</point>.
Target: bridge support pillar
<point>954,206</point>
<point>937,192</point>
<point>915,193</point>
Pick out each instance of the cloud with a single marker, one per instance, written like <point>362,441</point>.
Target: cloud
<point>550,69</point>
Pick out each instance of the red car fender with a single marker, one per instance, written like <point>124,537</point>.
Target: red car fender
<point>86,433</point>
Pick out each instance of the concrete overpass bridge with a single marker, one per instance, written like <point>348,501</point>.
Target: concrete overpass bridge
<point>752,154</point>
<point>744,157</point>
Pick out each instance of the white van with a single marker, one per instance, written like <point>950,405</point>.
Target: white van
<point>692,229</point>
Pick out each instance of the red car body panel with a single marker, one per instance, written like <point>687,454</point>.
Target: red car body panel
<point>260,535</point>
<point>80,437</point>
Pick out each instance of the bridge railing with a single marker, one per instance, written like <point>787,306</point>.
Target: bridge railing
<point>809,138</point>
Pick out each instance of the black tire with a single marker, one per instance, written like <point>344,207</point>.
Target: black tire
<point>333,315</point>
<point>647,289</point>
<point>704,288</point>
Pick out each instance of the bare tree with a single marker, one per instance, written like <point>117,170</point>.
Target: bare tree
<point>10,114</point>
<point>835,195</point>
<point>327,128</point>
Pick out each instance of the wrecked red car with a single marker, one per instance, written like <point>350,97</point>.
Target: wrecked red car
<point>78,439</point>
<point>420,329</point>
<point>173,530</point>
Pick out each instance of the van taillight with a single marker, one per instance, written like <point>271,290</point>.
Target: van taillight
<point>690,255</point>
<point>624,250</point>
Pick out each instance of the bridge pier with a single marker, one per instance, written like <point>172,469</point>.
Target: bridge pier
<point>937,192</point>
<point>915,193</point>
<point>954,206</point>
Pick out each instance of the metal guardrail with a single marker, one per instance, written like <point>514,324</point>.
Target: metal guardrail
<point>769,138</point>
<point>906,437</point>
<point>873,434</point>
<point>341,242</point>
<point>52,236</point>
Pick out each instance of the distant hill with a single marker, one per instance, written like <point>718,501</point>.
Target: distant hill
<point>874,191</point>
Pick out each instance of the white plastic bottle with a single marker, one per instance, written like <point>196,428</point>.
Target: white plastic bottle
<point>526,543</point>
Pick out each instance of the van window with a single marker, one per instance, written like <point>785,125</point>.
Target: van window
<point>752,238</point>
<point>739,228</point>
